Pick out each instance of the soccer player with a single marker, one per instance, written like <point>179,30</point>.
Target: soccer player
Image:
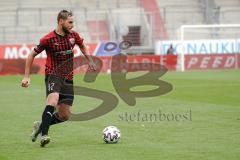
<point>58,45</point>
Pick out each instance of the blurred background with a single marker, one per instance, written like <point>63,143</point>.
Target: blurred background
<point>25,21</point>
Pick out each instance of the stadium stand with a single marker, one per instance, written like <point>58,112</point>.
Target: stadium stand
<point>179,12</point>
<point>26,21</point>
<point>153,11</point>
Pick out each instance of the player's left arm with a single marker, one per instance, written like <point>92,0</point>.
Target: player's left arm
<point>84,49</point>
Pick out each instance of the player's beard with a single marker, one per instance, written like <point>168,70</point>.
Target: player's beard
<point>65,29</point>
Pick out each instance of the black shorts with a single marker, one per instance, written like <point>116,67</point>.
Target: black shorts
<point>63,87</point>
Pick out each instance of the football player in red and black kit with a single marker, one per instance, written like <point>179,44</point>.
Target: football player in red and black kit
<point>58,45</point>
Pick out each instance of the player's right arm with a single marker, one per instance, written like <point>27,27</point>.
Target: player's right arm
<point>38,49</point>
<point>28,66</point>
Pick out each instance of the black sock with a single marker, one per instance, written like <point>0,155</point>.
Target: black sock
<point>46,119</point>
<point>55,119</point>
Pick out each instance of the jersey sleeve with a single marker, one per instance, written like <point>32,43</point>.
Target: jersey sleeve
<point>41,46</point>
<point>79,40</point>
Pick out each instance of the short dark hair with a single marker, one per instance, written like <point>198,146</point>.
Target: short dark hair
<point>64,14</point>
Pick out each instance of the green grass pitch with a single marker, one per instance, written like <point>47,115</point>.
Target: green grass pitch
<point>208,104</point>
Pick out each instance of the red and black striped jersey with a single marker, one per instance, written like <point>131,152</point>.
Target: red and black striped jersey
<point>59,50</point>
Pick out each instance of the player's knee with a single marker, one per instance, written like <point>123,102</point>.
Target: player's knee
<point>52,99</point>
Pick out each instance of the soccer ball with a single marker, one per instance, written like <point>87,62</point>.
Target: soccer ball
<point>111,134</point>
